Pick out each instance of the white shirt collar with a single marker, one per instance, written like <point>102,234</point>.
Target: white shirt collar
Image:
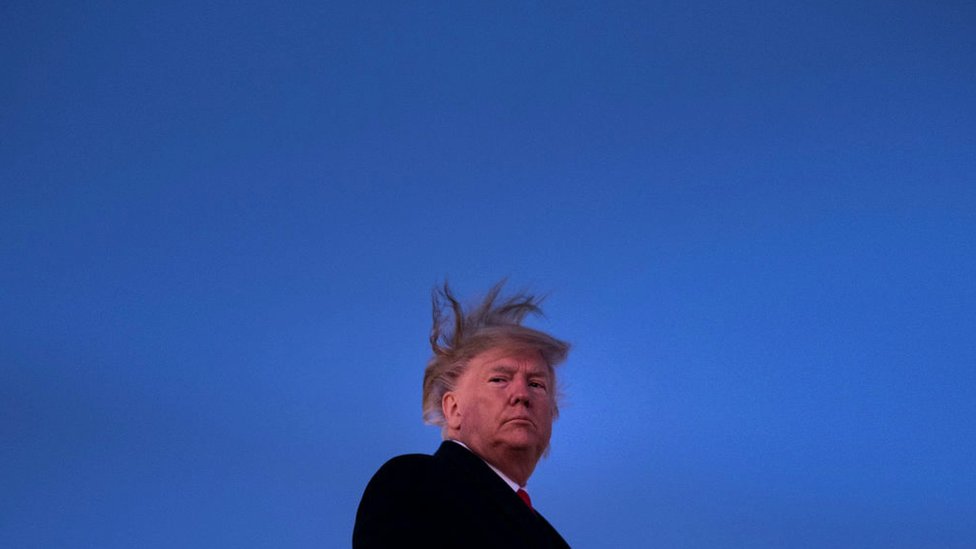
<point>511,483</point>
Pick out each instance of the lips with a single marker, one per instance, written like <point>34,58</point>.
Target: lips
<point>521,419</point>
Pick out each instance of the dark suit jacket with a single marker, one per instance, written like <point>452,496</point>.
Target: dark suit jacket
<point>449,499</point>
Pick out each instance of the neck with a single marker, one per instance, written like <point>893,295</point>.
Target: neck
<point>516,467</point>
<point>516,463</point>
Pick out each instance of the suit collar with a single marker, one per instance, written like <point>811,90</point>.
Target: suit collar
<point>473,474</point>
<point>511,483</point>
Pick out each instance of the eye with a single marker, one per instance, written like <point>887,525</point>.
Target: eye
<point>537,385</point>
<point>496,379</point>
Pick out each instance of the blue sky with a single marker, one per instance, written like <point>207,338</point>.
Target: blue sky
<point>756,223</point>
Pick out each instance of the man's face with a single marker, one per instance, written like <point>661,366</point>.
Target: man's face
<point>503,402</point>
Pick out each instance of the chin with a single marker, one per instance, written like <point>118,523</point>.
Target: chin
<point>525,444</point>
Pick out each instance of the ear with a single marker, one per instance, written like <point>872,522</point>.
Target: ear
<point>452,410</point>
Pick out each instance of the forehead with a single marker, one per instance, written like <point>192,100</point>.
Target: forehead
<point>510,358</point>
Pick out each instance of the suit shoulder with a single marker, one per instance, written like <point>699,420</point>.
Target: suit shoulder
<point>390,513</point>
<point>407,464</point>
<point>400,475</point>
<point>408,460</point>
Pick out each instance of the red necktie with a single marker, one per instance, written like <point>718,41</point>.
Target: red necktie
<point>525,497</point>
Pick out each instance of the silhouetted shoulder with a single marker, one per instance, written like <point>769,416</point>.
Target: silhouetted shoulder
<point>406,462</point>
<point>391,512</point>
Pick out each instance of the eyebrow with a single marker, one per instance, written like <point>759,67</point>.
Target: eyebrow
<point>505,369</point>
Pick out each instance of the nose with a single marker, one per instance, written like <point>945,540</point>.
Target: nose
<point>519,391</point>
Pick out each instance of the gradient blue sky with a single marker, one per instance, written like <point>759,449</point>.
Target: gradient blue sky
<point>220,223</point>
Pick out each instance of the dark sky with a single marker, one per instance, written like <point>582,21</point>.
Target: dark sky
<point>755,221</point>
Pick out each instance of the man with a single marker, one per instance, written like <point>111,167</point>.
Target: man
<point>491,387</point>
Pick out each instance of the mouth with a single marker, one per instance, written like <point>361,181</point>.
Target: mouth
<point>521,421</point>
